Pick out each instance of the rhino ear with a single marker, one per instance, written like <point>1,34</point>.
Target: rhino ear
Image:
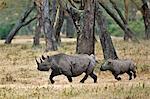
<point>109,62</point>
<point>48,57</point>
<point>43,57</point>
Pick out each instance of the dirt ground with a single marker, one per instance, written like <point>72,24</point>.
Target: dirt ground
<point>19,78</point>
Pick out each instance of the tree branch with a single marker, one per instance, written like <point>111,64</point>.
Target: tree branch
<point>123,26</point>
<point>27,12</point>
<point>29,21</point>
<point>118,11</point>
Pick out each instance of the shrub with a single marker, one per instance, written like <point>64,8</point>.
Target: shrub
<point>138,27</point>
<point>115,30</point>
<point>4,30</point>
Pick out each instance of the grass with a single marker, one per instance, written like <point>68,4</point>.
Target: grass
<point>20,79</point>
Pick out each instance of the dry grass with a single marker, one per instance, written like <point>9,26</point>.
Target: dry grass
<point>20,79</point>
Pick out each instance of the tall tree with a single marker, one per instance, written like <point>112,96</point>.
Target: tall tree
<point>146,17</point>
<point>126,6</point>
<point>54,11</point>
<point>122,25</point>
<point>69,27</point>
<point>75,15</point>
<point>105,39</point>
<point>85,40</point>
<point>145,10</point>
<point>21,23</point>
<point>51,44</point>
<point>36,38</point>
<point>124,19</point>
<point>59,22</point>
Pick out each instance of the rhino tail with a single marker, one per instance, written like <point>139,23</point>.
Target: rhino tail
<point>93,56</point>
<point>135,66</point>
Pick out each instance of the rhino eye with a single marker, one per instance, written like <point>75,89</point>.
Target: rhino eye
<point>44,65</point>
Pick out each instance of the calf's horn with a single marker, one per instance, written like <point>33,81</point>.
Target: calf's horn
<point>43,57</point>
<point>37,62</point>
<point>48,57</point>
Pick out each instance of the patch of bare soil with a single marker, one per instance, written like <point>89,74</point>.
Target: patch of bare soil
<point>61,81</point>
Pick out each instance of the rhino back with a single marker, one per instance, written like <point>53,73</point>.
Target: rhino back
<point>76,64</point>
<point>80,64</point>
<point>121,65</point>
<point>60,61</point>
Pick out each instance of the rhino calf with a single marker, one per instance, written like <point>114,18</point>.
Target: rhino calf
<point>68,65</point>
<point>118,67</point>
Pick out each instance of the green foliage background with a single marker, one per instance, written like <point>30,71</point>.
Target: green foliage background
<point>10,14</point>
<point>15,8</point>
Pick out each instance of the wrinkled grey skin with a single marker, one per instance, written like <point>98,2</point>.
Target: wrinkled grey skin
<point>118,67</point>
<point>68,65</point>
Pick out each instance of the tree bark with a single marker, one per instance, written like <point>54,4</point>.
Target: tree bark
<point>51,44</point>
<point>76,19</point>
<point>59,23</point>
<point>75,15</point>
<point>69,27</point>
<point>54,11</point>
<point>22,22</point>
<point>146,17</point>
<point>36,38</point>
<point>85,40</point>
<point>126,6</point>
<point>105,39</point>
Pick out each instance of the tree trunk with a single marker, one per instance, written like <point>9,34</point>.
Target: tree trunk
<point>54,11</point>
<point>126,6</point>
<point>75,15</point>
<point>22,22</point>
<point>69,27</point>
<point>36,38</point>
<point>51,44</point>
<point>126,36</point>
<point>146,17</point>
<point>105,39</point>
<point>85,40</point>
<point>59,23</point>
<point>123,26</point>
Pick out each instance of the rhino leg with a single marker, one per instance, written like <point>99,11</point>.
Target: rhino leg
<point>69,78</point>
<point>94,77</point>
<point>116,76</point>
<point>130,75</point>
<point>84,78</point>
<point>134,73</point>
<point>53,74</point>
<point>68,74</point>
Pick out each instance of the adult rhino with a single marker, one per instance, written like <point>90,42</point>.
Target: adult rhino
<point>118,67</point>
<point>68,65</point>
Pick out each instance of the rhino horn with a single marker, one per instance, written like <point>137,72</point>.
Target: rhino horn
<point>37,62</point>
<point>41,60</point>
<point>48,57</point>
<point>43,57</point>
